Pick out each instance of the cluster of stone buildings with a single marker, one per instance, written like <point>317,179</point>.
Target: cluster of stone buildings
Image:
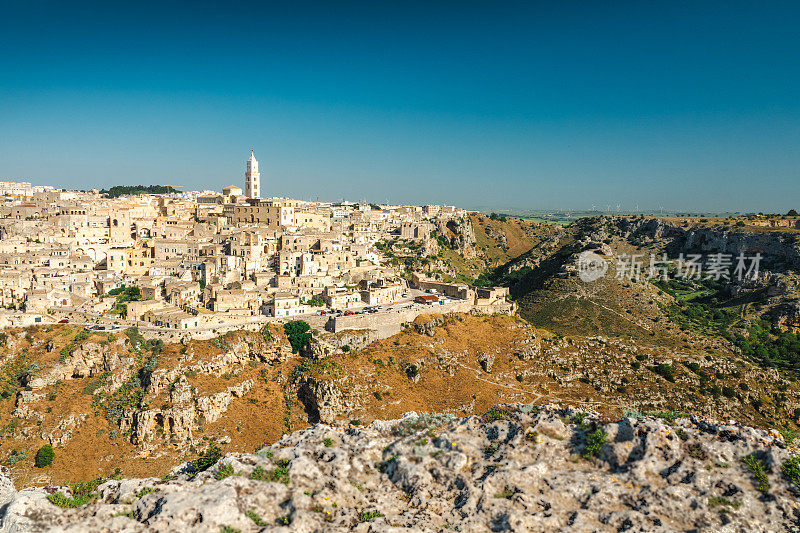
<point>196,258</point>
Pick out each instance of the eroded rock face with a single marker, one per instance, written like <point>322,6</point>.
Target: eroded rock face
<point>787,317</point>
<point>323,400</point>
<point>87,359</point>
<point>521,469</point>
<point>212,407</point>
<point>317,349</point>
<point>178,423</point>
<point>428,327</point>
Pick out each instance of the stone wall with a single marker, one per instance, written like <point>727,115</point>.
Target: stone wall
<point>388,323</point>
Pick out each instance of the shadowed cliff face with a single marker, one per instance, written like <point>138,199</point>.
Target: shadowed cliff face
<point>515,467</point>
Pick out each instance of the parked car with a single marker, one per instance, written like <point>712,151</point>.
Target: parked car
<point>63,321</point>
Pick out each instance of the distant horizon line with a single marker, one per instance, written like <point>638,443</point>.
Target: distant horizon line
<point>506,210</point>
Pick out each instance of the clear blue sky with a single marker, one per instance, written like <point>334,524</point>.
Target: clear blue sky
<point>686,105</point>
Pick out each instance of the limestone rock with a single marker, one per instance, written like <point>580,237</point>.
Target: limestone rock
<point>212,407</point>
<point>524,469</point>
<point>428,327</point>
<point>317,349</point>
<point>323,399</point>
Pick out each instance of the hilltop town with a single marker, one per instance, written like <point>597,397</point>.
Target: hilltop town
<point>180,264</point>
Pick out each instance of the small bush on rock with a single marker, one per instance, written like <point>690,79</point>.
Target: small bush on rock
<point>224,470</point>
<point>594,443</point>
<point>366,516</point>
<point>208,459</point>
<point>494,414</point>
<point>758,469</point>
<point>791,469</point>
<point>257,520</point>
<point>719,501</point>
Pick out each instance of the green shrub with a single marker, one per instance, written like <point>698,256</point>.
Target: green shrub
<point>719,501</point>
<point>328,442</point>
<point>137,340</point>
<point>224,470</point>
<point>83,492</point>
<point>93,385</point>
<point>665,371</point>
<point>494,414</point>
<point>577,418</point>
<point>789,435</point>
<point>412,371</point>
<point>257,520</point>
<point>594,443</point>
<point>791,469</point>
<point>209,458</point>
<point>61,500</point>
<point>145,491</point>
<point>366,516</point>
<point>758,469</point>
<point>279,474</point>
<point>45,456</point>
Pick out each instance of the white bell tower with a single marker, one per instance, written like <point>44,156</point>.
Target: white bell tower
<point>252,178</point>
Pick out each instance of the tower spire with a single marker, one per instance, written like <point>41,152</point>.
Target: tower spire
<point>252,177</point>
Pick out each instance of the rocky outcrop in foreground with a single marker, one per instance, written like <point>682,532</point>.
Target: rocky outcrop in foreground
<point>515,469</point>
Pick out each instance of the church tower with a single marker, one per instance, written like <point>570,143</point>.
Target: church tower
<point>252,178</point>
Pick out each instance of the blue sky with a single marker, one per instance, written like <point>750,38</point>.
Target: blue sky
<point>686,105</point>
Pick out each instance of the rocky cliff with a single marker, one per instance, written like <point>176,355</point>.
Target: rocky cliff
<point>514,468</point>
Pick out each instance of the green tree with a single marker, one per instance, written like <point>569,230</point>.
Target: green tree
<point>299,334</point>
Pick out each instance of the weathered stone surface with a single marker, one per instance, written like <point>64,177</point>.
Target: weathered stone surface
<point>317,349</point>
<point>212,407</point>
<point>63,431</point>
<point>323,399</point>
<point>486,361</point>
<point>520,471</point>
<point>428,327</point>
